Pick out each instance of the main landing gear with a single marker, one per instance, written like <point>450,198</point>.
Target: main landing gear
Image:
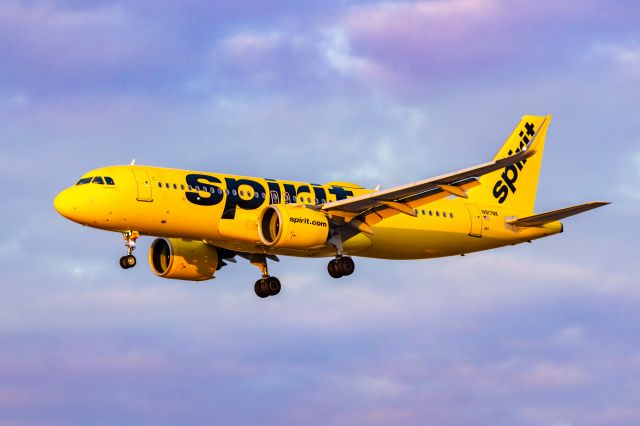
<point>267,285</point>
<point>130,238</point>
<point>341,266</point>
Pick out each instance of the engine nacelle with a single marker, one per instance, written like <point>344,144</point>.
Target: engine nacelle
<point>292,227</point>
<point>183,259</point>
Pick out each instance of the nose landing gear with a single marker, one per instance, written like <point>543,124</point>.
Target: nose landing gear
<point>341,266</point>
<point>130,238</point>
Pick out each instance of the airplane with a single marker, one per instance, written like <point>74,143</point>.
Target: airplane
<point>204,220</point>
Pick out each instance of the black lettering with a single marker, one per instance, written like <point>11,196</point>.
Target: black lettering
<point>234,201</point>
<point>214,196</point>
<point>289,193</point>
<point>303,189</point>
<point>530,129</point>
<point>500,192</point>
<point>320,193</point>
<point>274,192</point>
<point>340,192</point>
<point>510,180</point>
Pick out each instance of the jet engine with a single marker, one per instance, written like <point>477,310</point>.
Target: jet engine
<point>183,259</point>
<point>292,227</point>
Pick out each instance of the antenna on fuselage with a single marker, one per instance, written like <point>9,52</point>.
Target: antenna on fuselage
<point>133,162</point>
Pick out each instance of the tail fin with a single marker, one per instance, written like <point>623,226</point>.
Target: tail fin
<point>515,186</point>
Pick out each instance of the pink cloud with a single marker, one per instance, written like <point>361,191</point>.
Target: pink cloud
<point>553,376</point>
<point>415,43</point>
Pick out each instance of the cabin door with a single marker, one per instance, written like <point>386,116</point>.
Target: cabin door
<point>476,220</point>
<point>144,185</point>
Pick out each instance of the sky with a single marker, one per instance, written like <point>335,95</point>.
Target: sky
<point>375,92</point>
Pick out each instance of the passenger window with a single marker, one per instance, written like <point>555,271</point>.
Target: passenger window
<point>444,214</point>
<point>190,188</point>
<point>293,199</point>
<point>257,195</point>
<point>323,201</point>
<point>175,186</point>
<point>182,187</point>
<point>234,193</point>
<point>159,184</point>
<point>219,191</point>
<point>451,215</point>
<point>242,193</point>
<point>98,180</point>
<point>197,187</point>
<point>109,181</point>
<point>437,213</point>
<point>430,213</point>
<point>84,181</point>
<point>167,185</point>
<point>424,213</point>
<point>264,195</point>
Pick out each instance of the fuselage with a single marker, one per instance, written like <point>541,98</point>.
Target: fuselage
<point>214,207</point>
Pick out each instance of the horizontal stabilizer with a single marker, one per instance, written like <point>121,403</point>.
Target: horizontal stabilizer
<point>552,216</point>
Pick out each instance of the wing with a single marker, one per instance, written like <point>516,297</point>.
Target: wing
<point>378,205</point>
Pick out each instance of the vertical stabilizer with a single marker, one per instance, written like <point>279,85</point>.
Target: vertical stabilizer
<point>515,186</point>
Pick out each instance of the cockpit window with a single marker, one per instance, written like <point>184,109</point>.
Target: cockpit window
<point>84,181</point>
<point>98,180</point>
<point>109,181</point>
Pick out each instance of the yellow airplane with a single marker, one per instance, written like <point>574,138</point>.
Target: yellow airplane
<point>204,220</point>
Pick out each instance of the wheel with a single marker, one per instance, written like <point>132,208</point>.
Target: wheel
<point>258,289</point>
<point>129,261</point>
<point>332,267</point>
<point>273,286</point>
<point>345,265</point>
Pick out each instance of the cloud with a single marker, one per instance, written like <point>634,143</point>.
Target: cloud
<point>554,376</point>
<point>625,56</point>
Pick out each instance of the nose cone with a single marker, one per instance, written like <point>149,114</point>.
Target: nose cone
<point>63,204</point>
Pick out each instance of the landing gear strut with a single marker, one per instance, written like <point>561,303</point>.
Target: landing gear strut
<point>267,285</point>
<point>341,266</point>
<point>130,239</point>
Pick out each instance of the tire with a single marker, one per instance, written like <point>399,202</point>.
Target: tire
<point>273,286</point>
<point>130,261</point>
<point>332,267</point>
<point>122,264</point>
<point>258,289</point>
<point>346,265</point>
